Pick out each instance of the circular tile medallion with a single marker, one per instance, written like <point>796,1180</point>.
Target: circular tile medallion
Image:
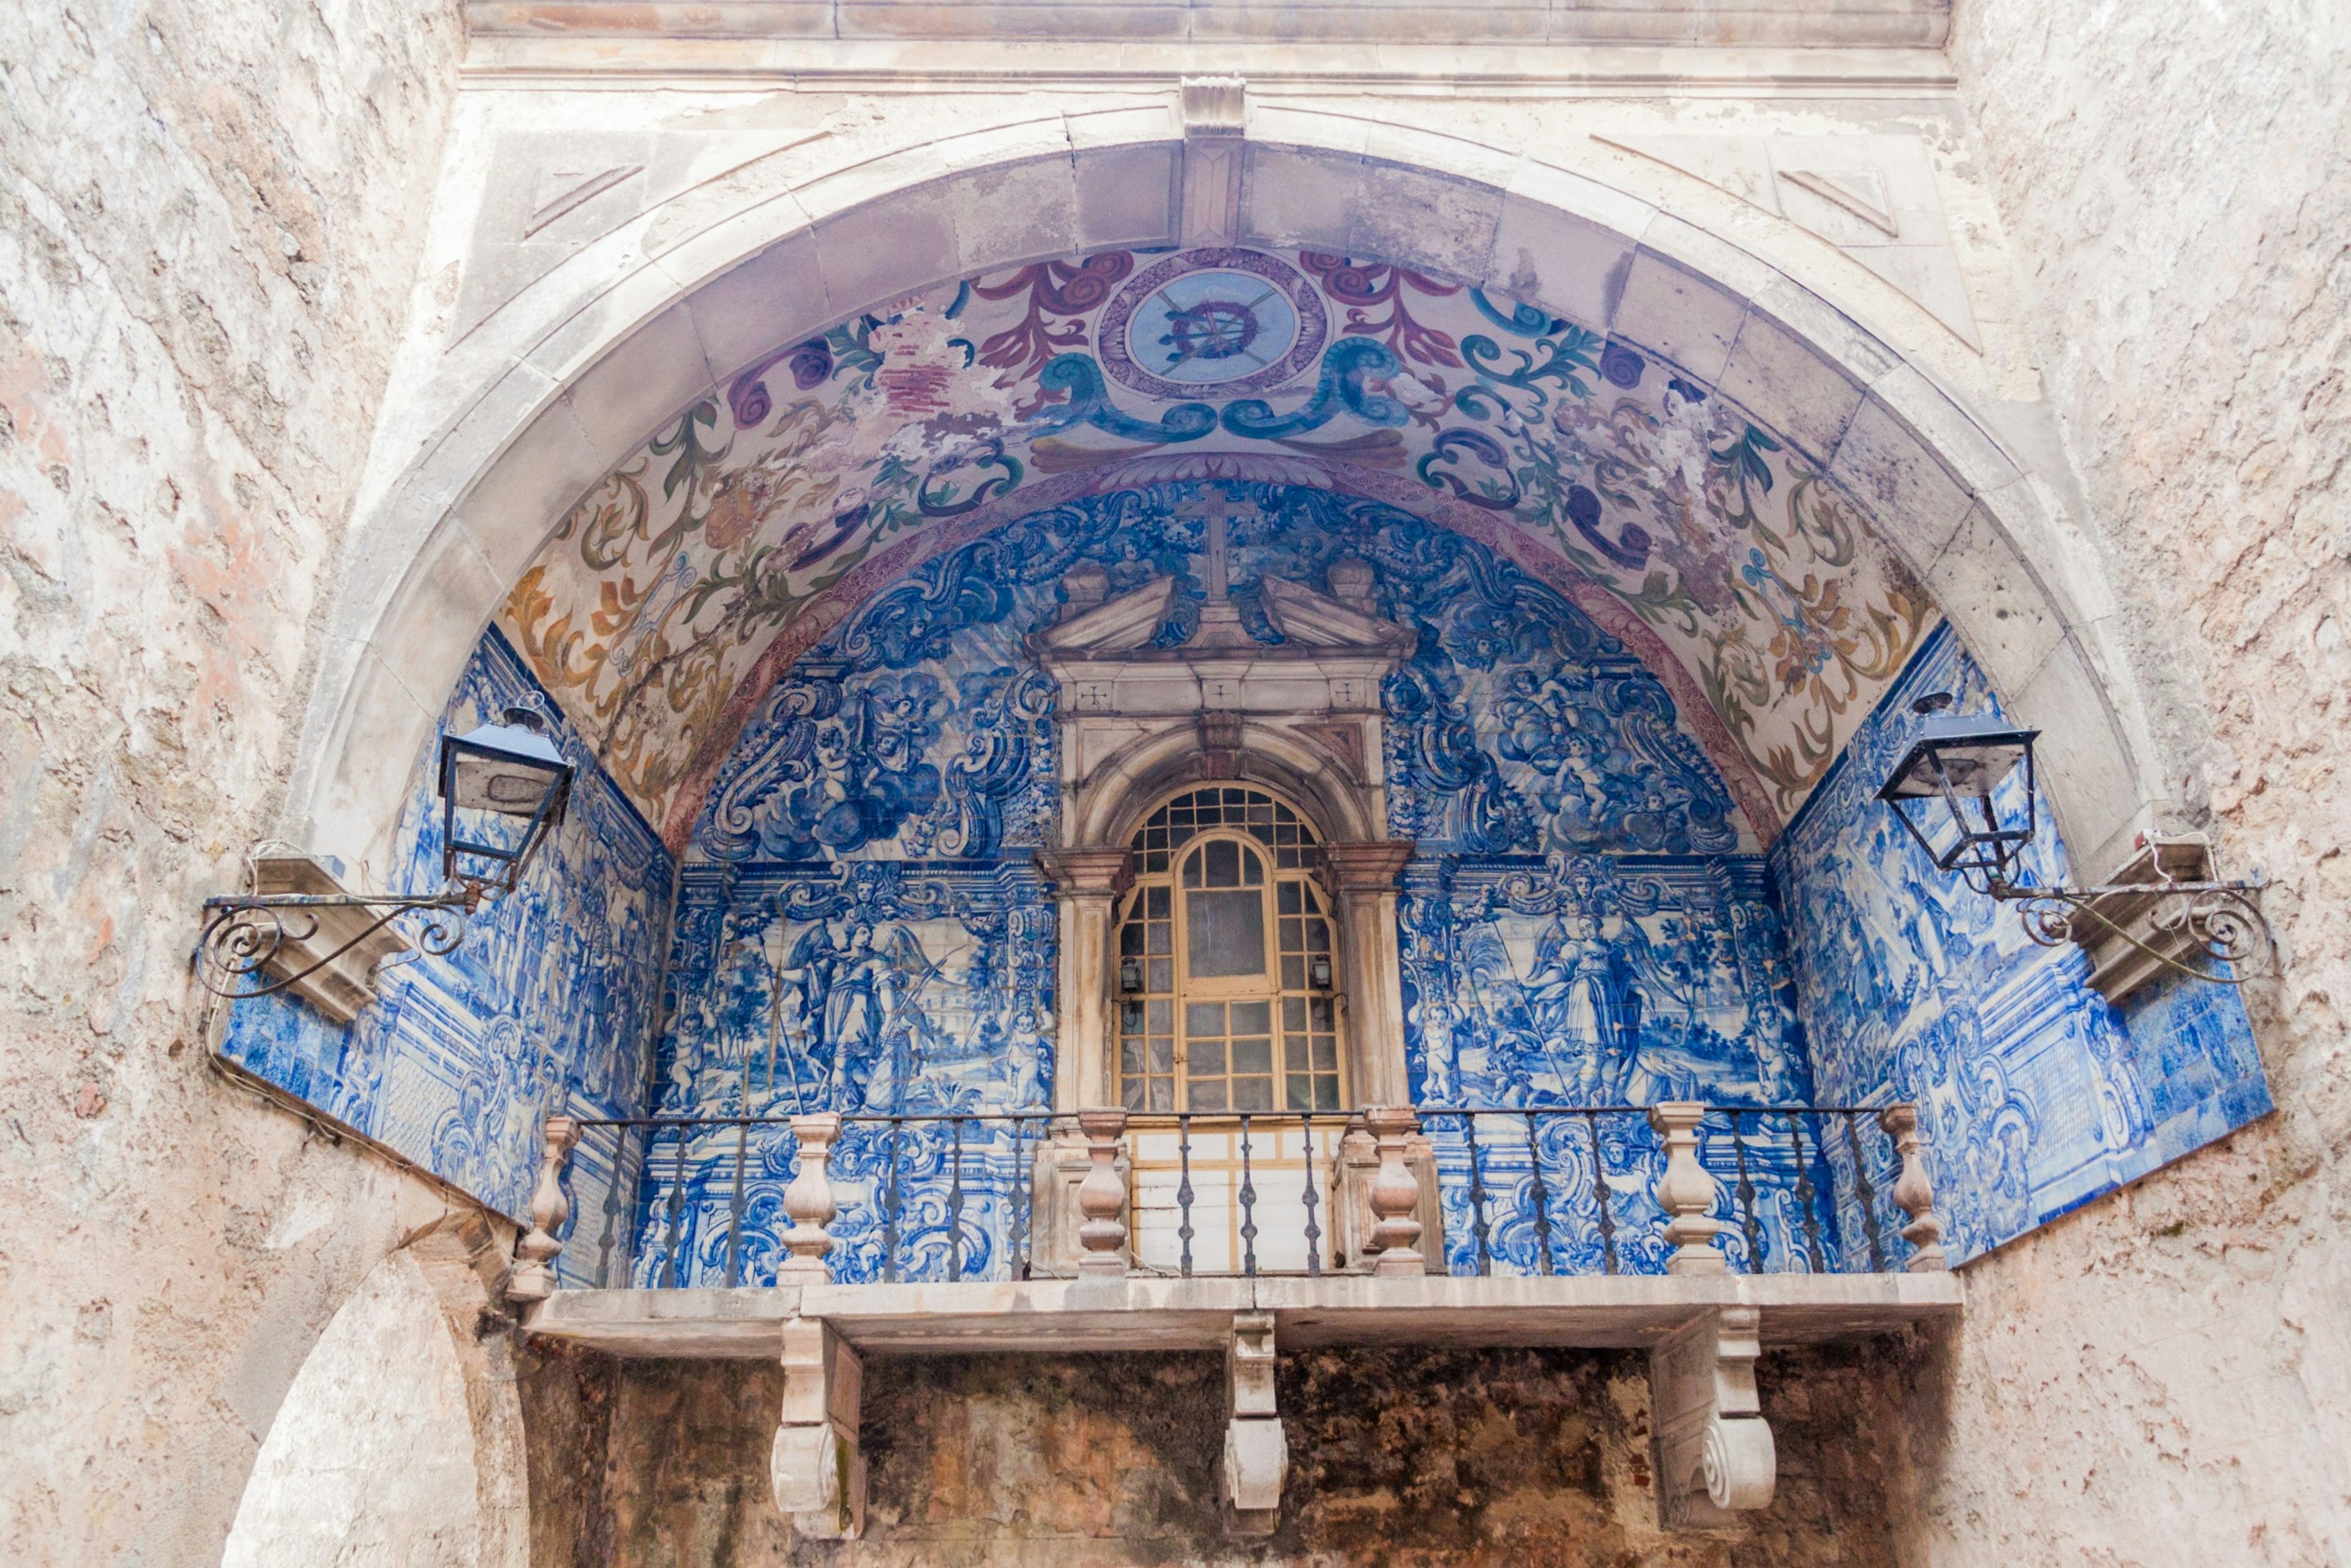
<point>1234,320</point>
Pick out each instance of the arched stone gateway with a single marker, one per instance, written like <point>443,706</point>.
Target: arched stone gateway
<point>1210,679</point>
<point>400,1441</point>
<point>1502,617</point>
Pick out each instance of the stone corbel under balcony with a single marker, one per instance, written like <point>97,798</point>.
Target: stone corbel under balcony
<point>1714,1450</point>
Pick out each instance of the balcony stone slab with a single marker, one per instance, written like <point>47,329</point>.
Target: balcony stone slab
<point>1141,1312</point>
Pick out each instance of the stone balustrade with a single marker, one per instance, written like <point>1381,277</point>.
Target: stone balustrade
<point>1688,1192</point>
<point>1741,1190</point>
<point>1102,1197</point>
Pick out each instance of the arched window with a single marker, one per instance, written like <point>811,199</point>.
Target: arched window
<point>1227,969</point>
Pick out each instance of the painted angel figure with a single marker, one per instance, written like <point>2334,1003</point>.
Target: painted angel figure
<point>1024,1058</point>
<point>804,982</point>
<point>872,1022</point>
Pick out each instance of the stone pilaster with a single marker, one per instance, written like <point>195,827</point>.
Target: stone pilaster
<point>1362,879</point>
<point>1087,884</point>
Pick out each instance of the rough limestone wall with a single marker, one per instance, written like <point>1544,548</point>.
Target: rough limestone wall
<point>2166,1378</point>
<point>208,217</point>
<point>1398,1459</point>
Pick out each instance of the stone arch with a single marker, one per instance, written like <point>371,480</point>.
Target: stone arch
<point>596,362</point>
<point>1291,762</point>
<point>401,1440</point>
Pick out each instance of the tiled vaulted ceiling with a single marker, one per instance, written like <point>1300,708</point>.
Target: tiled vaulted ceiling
<point>680,585</point>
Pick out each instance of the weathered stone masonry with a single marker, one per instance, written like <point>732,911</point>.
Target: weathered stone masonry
<point>1398,1458</point>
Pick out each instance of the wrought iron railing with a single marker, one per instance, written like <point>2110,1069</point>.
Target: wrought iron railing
<point>1463,1190</point>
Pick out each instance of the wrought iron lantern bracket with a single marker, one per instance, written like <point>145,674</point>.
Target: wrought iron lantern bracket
<point>265,936</point>
<point>2182,927</point>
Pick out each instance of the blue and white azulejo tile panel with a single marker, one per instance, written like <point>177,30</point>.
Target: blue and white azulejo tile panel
<point>545,1008</point>
<point>2036,1094</point>
<point>860,928</point>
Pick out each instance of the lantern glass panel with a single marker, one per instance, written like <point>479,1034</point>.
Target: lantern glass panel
<point>508,785</point>
<point>1974,769</point>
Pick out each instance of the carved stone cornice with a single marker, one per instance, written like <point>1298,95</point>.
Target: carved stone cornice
<point>1083,872</point>
<point>1367,866</point>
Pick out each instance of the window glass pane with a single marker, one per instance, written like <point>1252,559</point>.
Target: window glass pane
<point>1225,931</point>
<point>1230,1055</point>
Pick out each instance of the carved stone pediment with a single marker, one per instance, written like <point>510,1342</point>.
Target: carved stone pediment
<point>1316,621</point>
<point>1121,625</point>
<point>1312,625</point>
<point>1331,659</point>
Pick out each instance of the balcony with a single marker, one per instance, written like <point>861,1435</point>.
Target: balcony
<point>1700,1233</point>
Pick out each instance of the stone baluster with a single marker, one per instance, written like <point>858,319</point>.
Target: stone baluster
<point>1102,1197</point>
<point>1688,1192</point>
<point>1394,1195</point>
<point>533,1278</point>
<point>809,1201</point>
<point>1913,1193</point>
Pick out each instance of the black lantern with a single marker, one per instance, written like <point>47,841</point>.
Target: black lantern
<point>1943,790</point>
<point>507,769</point>
<point>1318,971</point>
<point>1130,974</point>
